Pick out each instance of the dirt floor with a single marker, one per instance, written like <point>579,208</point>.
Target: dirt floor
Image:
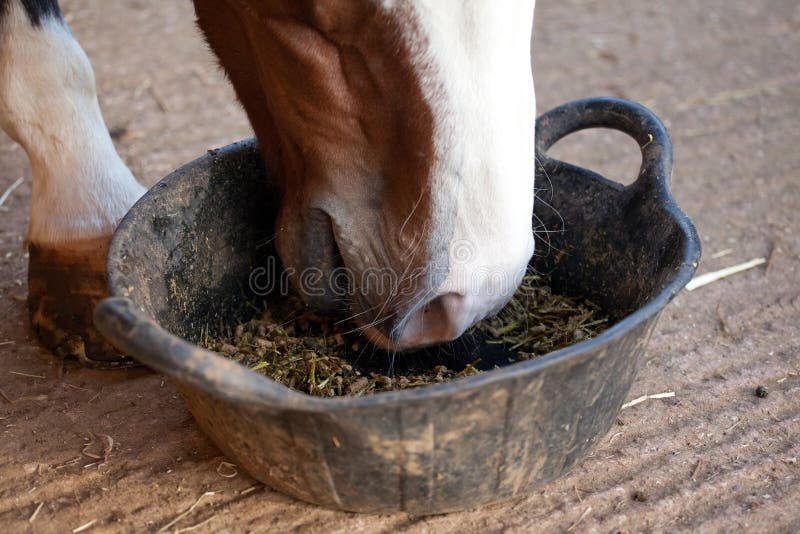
<point>724,76</point>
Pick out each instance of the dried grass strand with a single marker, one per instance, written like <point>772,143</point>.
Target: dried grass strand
<point>714,276</point>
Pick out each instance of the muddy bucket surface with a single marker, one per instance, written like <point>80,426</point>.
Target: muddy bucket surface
<point>184,262</point>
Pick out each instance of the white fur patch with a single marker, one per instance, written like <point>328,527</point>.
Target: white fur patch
<point>478,79</point>
<point>48,104</point>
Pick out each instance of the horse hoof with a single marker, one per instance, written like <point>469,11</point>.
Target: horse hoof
<point>65,283</point>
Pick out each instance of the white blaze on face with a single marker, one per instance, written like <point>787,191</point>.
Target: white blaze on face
<point>48,104</point>
<point>475,57</point>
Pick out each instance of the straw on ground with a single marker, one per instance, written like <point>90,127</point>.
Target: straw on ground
<point>10,190</point>
<point>708,278</point>
<point>182,515</point>
<point>643,398</point>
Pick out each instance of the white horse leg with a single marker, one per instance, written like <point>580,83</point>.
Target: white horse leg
<point>81,187</point>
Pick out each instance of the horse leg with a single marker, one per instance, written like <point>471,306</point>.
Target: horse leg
<point>81,188</point>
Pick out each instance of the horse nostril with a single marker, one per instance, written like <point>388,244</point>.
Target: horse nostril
<point>442,319</point>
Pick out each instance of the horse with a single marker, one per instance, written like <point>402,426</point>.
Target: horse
<point>401,133</point>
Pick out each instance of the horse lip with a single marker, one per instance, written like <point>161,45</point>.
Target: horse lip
<point>378,338</point>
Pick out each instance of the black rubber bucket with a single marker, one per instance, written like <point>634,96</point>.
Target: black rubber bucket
<point>183,263</point>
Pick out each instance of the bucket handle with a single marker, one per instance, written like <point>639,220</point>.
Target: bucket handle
<point>616,114</point>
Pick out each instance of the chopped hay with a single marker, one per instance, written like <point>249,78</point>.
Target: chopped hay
<point>315,354</point>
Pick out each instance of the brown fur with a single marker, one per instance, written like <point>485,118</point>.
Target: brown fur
<point>338,109</point>
<point>64,286</point>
